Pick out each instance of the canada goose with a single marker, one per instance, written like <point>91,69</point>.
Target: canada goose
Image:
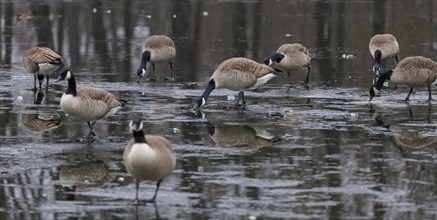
<point>240,136</point>
<point>382,46</point>
<point>147,157</point>
<point>42,62</point>
<point>412,71</point>
<point>237,74</point>
<point>87,103</point>
<point>157,49</point>
<point>290,57</point>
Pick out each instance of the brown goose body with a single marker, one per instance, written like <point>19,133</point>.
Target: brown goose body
<point>416,71</point>
<point>161,47</point>
<point>291,57</point>
<point>381,47</point>
<point>42,62</point>
<point>386,43</point>
<point>148,157</point>
<point>157,49</point>
<point>153,163</point>
<point>90,104</point>
<point>238,74</point>
<point>87,103</point>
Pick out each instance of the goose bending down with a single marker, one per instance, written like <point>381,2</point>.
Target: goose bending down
<point>157,49</point>
<point>290,57</point>
<point>237,74</point>
<point>414,71</point>
<point>87,103</point>
<point>42,62</point>
<point>383,46</point>
<point>147,157</point>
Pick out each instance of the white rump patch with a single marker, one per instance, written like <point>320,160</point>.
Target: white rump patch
<point>263,80</point>
<point>113,111</point>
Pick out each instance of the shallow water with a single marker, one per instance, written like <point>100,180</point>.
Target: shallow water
<point>294,153</point>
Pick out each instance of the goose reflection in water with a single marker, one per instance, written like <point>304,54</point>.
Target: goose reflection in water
<point>240,135</point>
<point>85,175</point>
<point>407,133</point>
<point>40,121</point>
<point>415,137</point>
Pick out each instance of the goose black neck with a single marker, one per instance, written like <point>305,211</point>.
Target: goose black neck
<point>382,78</point>
<point>377,56</point>
<point>139,137</point>
<point>71,90</point>
<point>209,87</point>
<point>145,58</point>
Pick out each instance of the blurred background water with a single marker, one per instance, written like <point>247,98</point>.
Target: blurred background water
<point>295,153</point>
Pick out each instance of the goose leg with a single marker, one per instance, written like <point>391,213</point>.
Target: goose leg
<point>34,82</point>
<point>137,201</point>
<point>153,79</point>
<point>408,96</point>
<point>153,199</point>
<point>289,79</point>
<point>429,94</point>
<point>171,74</point>
<point>235,103</point>
<point>47,82</point>
<point>307,78</point>
<point>91,135</point>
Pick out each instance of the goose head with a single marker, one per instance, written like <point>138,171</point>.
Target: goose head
<point>136,125</point>
<point>65,74</point>
<point>141,71</point>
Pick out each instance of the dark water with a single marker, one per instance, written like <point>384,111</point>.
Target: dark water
<point>318,153</point>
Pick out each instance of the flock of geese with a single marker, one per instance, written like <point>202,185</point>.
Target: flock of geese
<point>149,157</point>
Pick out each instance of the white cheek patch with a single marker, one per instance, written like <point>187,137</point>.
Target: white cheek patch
<point>203,102</point>
<point>270,62</point>
<point>68,75</point>
<point>377,91</point>
<point>143,72</point>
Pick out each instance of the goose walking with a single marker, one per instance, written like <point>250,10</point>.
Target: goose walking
<point>237,74</point>
<point>157,49</point>
<point>414,71</point>
<point>147,157</point>
<point>42,62</point>
<point>291,57</point>
<point>382,46</point>
<point>87,103</point>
